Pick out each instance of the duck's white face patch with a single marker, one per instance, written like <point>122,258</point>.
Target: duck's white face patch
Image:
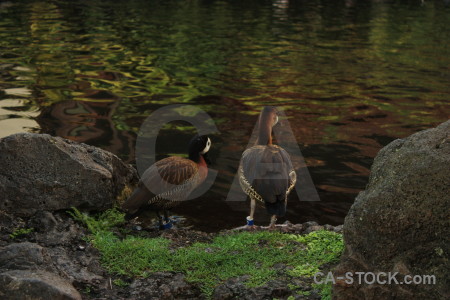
<point>208,145</point>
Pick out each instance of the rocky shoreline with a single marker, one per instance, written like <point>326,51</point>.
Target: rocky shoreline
<point>47,255</point>
<point>399,224</point>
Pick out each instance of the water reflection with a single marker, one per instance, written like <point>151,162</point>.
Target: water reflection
<point>13,118</point>
<point>351,76</point>
<point>87,122</point>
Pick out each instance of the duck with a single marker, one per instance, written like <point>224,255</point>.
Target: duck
<point>156,191</point>
<point>266,173</point>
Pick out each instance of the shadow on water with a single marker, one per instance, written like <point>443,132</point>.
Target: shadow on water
<point>351,76</point>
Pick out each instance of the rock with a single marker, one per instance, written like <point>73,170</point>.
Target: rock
<point>76,265</point>
<point>235,288</point>
<point>21,256</point>
<point>8,223</point>
<point>33,270</point>
<point>41,172</point>
<point>5,220</point>
<point>297,228</point>
<point>36,285</point>
<point>164,285</point>
<point>313,228</point>
<point>43,221</point>
<point>310,223</point>
<point>400,222</point>
<point>338,228</point>
<point>63,232</point>
<point>232,289</point>
<point>328,227</point>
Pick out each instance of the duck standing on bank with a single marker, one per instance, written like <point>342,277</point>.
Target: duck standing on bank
<point>171,180</point>
<point>266,173</point>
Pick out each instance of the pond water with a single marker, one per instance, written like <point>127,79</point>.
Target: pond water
<point>350,75</point>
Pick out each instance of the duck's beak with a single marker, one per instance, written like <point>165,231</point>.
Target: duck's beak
<point>278,120</point>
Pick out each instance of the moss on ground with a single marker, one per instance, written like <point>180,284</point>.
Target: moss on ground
<point>19,232</point>
<point>208,264</point>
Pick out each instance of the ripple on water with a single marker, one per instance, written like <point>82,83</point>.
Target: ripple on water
<point>350,77</point>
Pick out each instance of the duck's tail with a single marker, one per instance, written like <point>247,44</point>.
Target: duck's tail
<point>136,202</point>
<point>278,207</point>
<point>273,191</point>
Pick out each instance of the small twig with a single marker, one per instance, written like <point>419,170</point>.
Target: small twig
<point>110,283</point>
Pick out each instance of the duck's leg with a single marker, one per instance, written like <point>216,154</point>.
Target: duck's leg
<point>167,222</point>
<point>250,222</point>
<point>160,219</point>
<point>166,216</point>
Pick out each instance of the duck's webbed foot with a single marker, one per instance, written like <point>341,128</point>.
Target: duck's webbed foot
<point>167,223</point>
<point>251,224</point>
<point>161,222</point>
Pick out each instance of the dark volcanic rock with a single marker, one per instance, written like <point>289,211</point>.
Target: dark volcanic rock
<point>49,234</point>
<point>36,285</point>
<point>22,256</point>
<point>33,271</point>
<point>41,172</point>
<point>164,285</point>
<point>60,260</point>
<point>400,222</point>
<point>78,266</point>
<point>44,221</point>
<point>235,289</point>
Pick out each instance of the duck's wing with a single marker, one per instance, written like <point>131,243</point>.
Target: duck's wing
<point>266,173</point>
<point>172,170</point>
<point>165,183</point>
<point>247,186</point>
<point>178,177</point>
<point>292,181</point>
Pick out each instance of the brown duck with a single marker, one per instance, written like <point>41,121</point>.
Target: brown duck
<point>171,180</point>
<point>266,173</point>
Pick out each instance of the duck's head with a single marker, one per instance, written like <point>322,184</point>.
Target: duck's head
<point>269,116</point>
<point>267,119</point>
<point>199,145</point>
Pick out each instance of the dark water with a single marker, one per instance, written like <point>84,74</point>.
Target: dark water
<point>351,76</point>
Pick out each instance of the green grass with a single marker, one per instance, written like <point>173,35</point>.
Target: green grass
<point>20,232</point>
<point>324,290</point>
<point>120,282</point>
<point>101,223</point>
<point>208,264</point>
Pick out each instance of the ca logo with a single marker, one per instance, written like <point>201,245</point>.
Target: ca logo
<point>204,124</point>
